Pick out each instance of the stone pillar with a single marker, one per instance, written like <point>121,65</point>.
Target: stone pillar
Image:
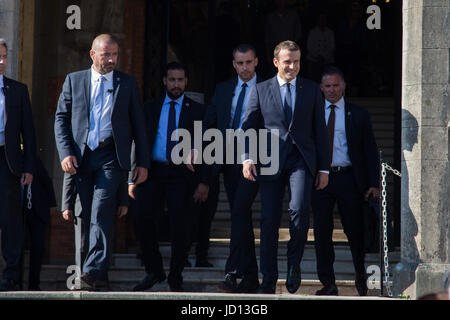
<point>9,30</point>
<point>425,229</point>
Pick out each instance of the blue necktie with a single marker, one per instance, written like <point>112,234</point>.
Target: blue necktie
<point>238,111</point>
<point>171,127</point>
<point>96,114</point>
<point>288,103</point>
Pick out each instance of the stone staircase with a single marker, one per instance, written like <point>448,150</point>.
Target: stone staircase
<point>126,270</point>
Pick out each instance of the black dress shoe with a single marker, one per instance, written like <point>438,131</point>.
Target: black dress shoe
<point>361,284</point>
<point>328,290</point>
<point>9,285</point>
<point>228,285</point>
<point>266,288</point>
<point>87,282</point>
<point>176,288</point>
<point>149,281</point>
<point>248,286</point>
<point>34,288</point>
<point>294,278</point>
<point>203,264</point>
<point>187,264</point>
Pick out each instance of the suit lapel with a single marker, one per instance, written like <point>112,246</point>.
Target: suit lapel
<point>6,93</point>
<point>298,98</point>
<point>184,114</point>
<point>229,99</point>
<point>276,96</point>
<point>87,91</point>
<point>116,89</point>
<point>348,123</point>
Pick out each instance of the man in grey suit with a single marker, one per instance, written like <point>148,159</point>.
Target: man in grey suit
<point>99,114</point>
<point>16,168</point>
<point>293,106</point>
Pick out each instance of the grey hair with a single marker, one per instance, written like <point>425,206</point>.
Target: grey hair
<point>3,43</point>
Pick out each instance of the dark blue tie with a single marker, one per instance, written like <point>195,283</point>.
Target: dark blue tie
<point>171,127</point>
<point>288,103</point>
<point>238,111</point>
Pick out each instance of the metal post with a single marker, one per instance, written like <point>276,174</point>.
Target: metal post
<point>381,226</point>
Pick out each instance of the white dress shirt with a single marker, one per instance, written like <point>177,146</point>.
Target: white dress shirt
<point>105,120</point>
<point>340,147</point>
<point>237,91</point>
<point>283,90</point>
<point>2,113</point>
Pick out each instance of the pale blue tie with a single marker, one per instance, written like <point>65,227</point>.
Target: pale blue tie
<point>96,114</point>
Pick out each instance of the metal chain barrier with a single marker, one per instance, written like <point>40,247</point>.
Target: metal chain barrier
<point>29,195</point>
<point>384,167</point>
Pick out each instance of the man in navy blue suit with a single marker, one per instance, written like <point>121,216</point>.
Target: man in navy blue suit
<point>16,168</point>
<point>354,175</point>
<point>170,183</point>
<point>226,111</point>
<point>292,106</point>
<point>99,114</point>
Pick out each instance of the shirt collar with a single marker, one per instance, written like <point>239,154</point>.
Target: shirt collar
<point>95,75</point>
<point>1,81</point>
<point>340,104</point>
<point>178,101</point>
<point>250,83</point>
<point>281,82</point>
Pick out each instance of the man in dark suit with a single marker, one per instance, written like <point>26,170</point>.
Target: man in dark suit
<point>16,168</point>
<point>37,218</point>
<point>99,114</point>
<point>226,111</point>
<point>294,107</point>
<point>170,182</point>
<point>354,175</point>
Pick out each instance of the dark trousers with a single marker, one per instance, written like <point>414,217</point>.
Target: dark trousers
<point>36,227</point>
<point>296,176</point>
<point>11,220</point>
<point>203,215</point>
<point>241,194</point>
<point>343,190</point>
<point>164,187</point>
<point>98,180</point>
<point>81,224</point>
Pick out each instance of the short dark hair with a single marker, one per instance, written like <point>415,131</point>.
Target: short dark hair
<point>288,44</point>
<point>175,65</point>
<point>332,70</point>
<point>243,48</point>
<point>3,43</point>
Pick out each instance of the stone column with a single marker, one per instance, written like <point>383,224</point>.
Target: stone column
<point>9,30</point>
<point>425,229</point>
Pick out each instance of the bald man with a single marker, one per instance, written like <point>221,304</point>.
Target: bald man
<point>98,117</point>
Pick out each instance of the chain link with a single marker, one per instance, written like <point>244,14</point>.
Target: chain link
<point>385,166</point>
<point>29,196</point>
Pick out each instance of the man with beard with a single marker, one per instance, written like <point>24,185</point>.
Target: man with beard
<point>99,114</point>
<point>168,183</point>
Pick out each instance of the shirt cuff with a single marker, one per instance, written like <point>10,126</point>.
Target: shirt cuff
<point>325,171</point>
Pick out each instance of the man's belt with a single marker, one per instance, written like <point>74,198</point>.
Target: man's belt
<point>105,143</point>
<point>341,169</point>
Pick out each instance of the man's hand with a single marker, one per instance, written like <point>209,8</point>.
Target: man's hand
<point>26,178</point>
<point>321,180</point>
<point>140,175</point>
<point>201,193</point>
<point>122,211</point>
<point>132,191</point>
<point>70,164</point>
<point>191,159</point>
<point>68,215</point>
<point>249,171</point>
<point>372,191</point>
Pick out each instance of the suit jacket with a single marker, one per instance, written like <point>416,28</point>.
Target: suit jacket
<point>190,111</point>
<point>127,118</point>
<point>307,130</point>
<point>362,147</point>
<point>218,115</point>
<point>18,124</point>
<point>43,195</point>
